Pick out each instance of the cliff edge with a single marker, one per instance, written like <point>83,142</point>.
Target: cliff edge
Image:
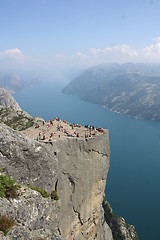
<point>75,168</point>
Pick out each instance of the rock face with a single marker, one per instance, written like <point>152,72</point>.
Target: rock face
<point>7,100</point>
<point>75,168</point>
<point>120,229</point>
<point>12,115</point>
<point>16,119</point>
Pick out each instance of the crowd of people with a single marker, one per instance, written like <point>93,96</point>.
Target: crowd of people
<point>57,128</point>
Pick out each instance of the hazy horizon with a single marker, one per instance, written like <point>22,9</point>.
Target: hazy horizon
<point>62,37</point>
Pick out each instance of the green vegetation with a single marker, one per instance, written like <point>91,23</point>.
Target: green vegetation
<point>54,195</point>
<point>4,111</point>
<point>1,169</point>
<point>6,223</point>
<point>8,187</point>
<point>29,123</point>
<point>43,192</point>
<point>18,122</point>
<point>15,119</point>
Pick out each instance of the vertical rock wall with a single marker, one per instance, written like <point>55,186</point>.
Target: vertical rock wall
<point>83,167</point>
<point>76,168</point>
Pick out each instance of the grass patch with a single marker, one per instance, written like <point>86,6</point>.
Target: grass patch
<point>15,119</point>
<point>54,195</point>
<point>8,187</point>
<point>18,122</point>
<point>1,169</point>
<point>4,112</point>
<point>6,224</point>
<point>29,124</point>
<point>43,192</point>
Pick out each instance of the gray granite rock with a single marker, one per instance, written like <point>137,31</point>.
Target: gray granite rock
<point>75,168</point>
<point>7,100</point>
<point>12,115</point>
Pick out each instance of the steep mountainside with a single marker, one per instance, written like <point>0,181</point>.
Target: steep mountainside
<point>12,115</point>
<point>7,100</point>
<point>132,89</point>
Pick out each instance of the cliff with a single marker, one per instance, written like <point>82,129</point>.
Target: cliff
<point>75,168</point>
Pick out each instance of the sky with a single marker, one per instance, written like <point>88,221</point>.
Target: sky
<point>68,34</point>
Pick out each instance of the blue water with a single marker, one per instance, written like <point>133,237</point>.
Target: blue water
<point>133,180</point>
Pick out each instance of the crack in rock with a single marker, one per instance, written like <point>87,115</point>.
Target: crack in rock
<point>79,216</point>
<point>103,154</point>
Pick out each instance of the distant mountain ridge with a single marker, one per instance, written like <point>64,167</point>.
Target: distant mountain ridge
<point>131,89</point>
<point>16,81</point>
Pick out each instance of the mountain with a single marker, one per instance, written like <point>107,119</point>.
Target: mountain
<point>132,89</point>
<point>7,100</point>
<point>12,115</point>
<point>15,81</point>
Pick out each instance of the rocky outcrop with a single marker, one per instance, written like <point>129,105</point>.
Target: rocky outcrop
<point>12,115</point>
<point>75,168</point>
<point>7,100</point>
<point>33,216</point>
<point>120,229</point>
<point>18,119</point>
